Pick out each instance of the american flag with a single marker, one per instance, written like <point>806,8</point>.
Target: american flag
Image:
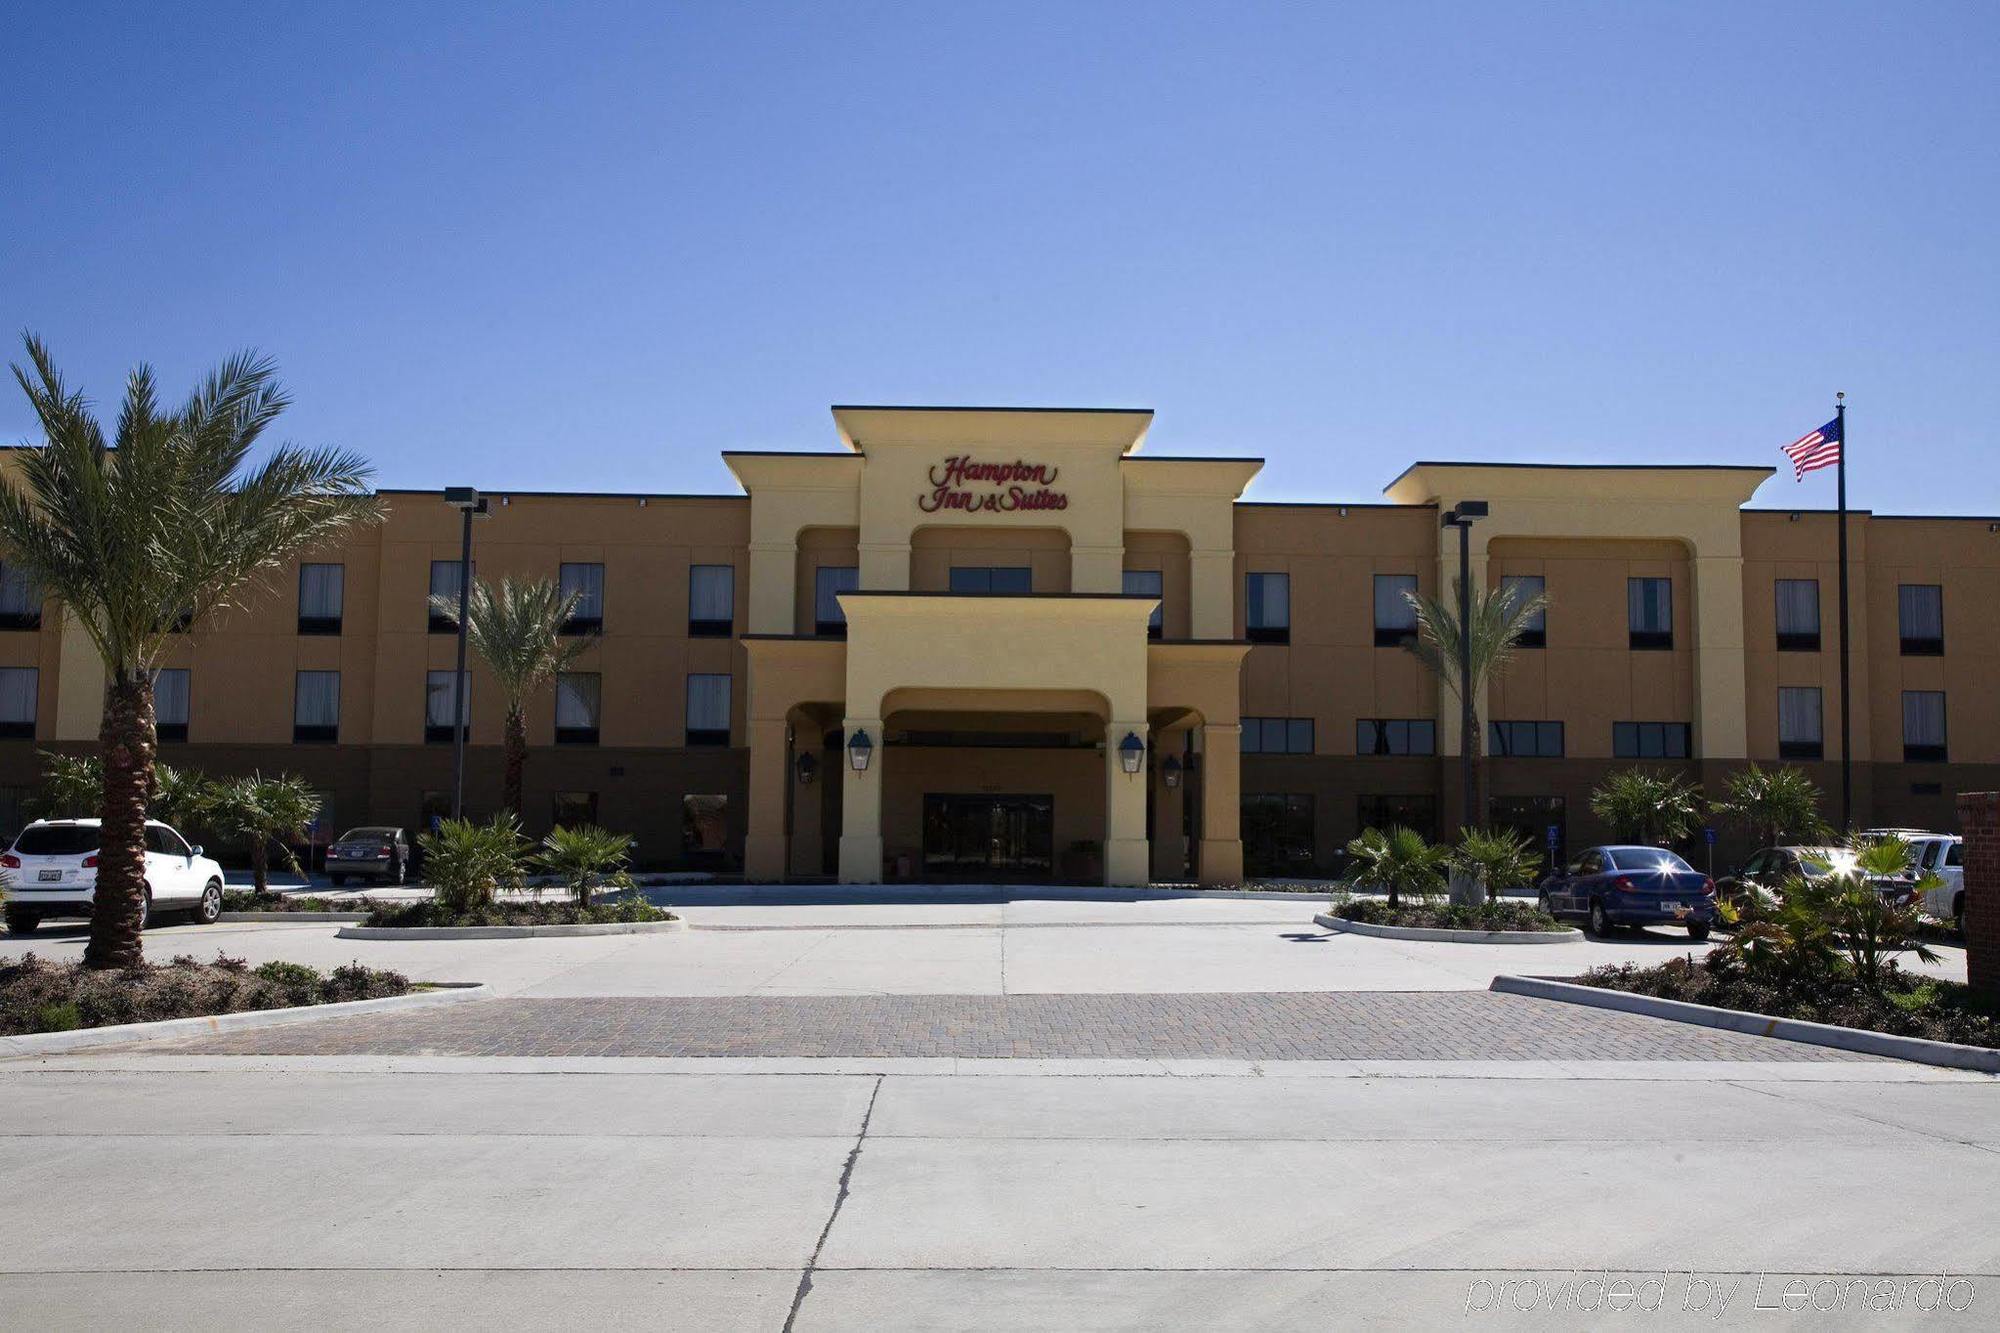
<point>1815,449</point>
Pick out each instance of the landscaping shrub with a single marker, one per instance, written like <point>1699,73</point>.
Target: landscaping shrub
<point>427,912</point>
<point>467,863</point>
<point>586,858</point>
<point>251,900</point>
<point>37,995</point>
<point>1439,916</point>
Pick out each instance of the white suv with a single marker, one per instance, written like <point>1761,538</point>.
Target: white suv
<point>51,870</point>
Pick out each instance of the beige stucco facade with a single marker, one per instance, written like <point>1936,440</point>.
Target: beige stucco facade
<point>843,596</point>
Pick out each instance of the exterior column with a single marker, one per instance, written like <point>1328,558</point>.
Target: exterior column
<point>861,806</point>
<point>770,770</point>
<point>885,566</point>
<point>773,570</point>
<point>1220,856</point>
<point>1212,594</point>
<point>1127,858</point>
<point>1721,730</point>
<point>1097,569</point>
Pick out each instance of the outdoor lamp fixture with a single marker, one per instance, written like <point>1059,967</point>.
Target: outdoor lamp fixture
<point>859,751</point>
<point>470,503</point>
<point>1170,772</point>
<point>808,768</point>
<point>1131,752</point>
<point>1462,516</point>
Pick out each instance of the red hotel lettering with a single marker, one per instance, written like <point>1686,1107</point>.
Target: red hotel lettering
<point>952,482</point>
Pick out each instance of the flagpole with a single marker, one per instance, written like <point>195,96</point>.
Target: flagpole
<point>1846,706</point>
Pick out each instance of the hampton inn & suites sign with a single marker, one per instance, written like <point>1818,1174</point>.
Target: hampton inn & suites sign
<point>975,485</point>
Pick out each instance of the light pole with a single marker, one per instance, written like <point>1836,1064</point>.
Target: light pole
<point>1462,516</point>
<point>468,502</point>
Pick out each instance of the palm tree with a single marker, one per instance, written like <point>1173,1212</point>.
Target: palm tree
<point>585,858</point>
<point>265,810</point>
<point>1652,808</point>
<point>517,630</point>
<point>1397,862</point>
<point>1499,617</point>
<point>167,520</point>
<point>1774,804</point>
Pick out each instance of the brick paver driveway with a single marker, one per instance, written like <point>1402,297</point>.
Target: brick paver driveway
<point>1394,1025</point>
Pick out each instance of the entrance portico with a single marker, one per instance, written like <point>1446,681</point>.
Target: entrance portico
<point>1048,710</point>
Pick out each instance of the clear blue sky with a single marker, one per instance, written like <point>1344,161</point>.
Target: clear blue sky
<point>588,246</point>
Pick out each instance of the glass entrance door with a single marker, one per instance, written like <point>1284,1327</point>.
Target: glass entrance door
<point>988,837</point>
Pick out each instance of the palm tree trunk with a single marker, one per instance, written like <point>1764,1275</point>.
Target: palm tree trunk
<point>129,742</point>
<point>260,863</point>
<point>1475,745</point>
<point>517,758</point>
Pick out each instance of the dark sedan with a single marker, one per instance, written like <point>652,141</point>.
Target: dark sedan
<point>377,853</point>
<point>1632,886</point>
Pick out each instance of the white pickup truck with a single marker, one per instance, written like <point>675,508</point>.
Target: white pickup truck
<point>1943,855</point>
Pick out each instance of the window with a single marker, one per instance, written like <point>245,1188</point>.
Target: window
<point>1149,583</point>
<point>447,577</point>
<point>1394,735</point>
<point>586,584</point>
<point>170,703</point>
<point>322,590</point>
<point>20,598</point>
<point>574,809</point>
<point>440,689</point>
<point>1923,727</point>
<point>579,705</point>
<point>1798,615</point>
<point>711,601</point>
<point>1525,740</point>
<point>1649,740</point>
<point>19,687</point>
<point>1278,834</point>
<point>1417,812</point>
<point>1540,819</point>
<point>316,706</point>
<point>1013,580</point>
<point>1800,722</point>
<point>705,830</point>
<point>1277,735</point>
<point>1649,607</point>
<point>707,710</point>
<point>829,581</point>
<point>1526,587</point>
<point>1920,619</point>
<point>1267,608</point>
<point>165,842</point>
<point>1395,618</point>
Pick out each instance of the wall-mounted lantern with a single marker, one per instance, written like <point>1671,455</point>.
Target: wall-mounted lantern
<point>859,751</point>
<point>1170,772</point>
<point>1131,752</point>
<point>808,768</point>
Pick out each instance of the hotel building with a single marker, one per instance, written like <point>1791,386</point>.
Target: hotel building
<point>1000,643</point>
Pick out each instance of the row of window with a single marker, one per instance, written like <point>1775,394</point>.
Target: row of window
<point>1801,726</point>
<point>579,707</point>
<point>1919,617</point>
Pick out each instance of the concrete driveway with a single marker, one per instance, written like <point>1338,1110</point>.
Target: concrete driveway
<point>1198,1114</point>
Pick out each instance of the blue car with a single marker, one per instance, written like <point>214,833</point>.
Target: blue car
<point>1632,886</point>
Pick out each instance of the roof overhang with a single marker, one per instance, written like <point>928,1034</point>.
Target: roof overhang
<point>1123,429</point>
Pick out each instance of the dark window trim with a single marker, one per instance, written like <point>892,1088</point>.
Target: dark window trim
<point>711,629</point>
<point>304,735</point>
<point>442,624</point>
<point>436,735</point>
<point>1684,730</point>
<point>1922,647</point>
<point>321,624</point>
<point>1925,754</point>
<point>830,629</point>
<point>1533,638</point>
<point>1394,638</point>
<point>21,620</point>
<point>580,625</point>
<point>1268,633</point>
<point>1382,750</point>
<point>171,731</point>
<point>1497,750</point>
<point>704,736</point>
<point>17,731</point>
<point>1649,640</point>
<point>1801,749</point>
<point>576,735</point>
<point>1798,641</point>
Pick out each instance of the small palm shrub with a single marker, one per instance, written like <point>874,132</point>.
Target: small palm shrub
<point>1656,809</point>
<point>1397,862</point>
<point>264,811</point>
<point>467,863</point>
<point>586,858</point>
<point>1500,858</point>
<point>1773,805</point>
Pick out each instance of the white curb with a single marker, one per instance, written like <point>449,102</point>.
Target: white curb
<point>1922,1050</point>
<point>506,932</point>
<point>47,1043</point>
<point>1565,936</point>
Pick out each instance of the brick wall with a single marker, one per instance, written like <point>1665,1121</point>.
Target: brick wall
<point>1979,817</point>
